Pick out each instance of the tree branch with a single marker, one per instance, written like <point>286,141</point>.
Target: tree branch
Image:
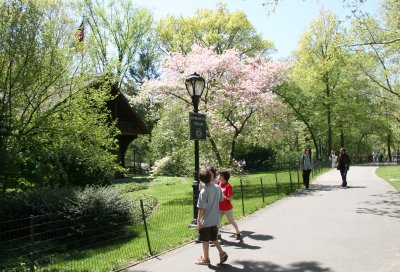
<point>375,43</point>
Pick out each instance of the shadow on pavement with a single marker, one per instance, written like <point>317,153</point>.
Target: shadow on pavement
<point>249,266</point>
<point>387,204</point>
<point>252,235</point>
<point>322,188</point>
<point>245,235</point>
<point>314,189</point>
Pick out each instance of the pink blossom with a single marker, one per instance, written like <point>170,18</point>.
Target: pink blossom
<point>236,86</point>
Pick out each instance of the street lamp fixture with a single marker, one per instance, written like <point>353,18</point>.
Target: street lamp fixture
<point>195,85</point>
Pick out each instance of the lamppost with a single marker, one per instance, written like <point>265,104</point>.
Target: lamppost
<point>195,86</point>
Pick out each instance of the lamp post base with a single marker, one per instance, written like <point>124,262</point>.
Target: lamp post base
<point>195,186</point>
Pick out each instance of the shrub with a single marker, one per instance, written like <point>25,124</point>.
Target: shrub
<point>175,164</point>
<point>259,159</point>
<point>130,187</point>
<point>93,213</point>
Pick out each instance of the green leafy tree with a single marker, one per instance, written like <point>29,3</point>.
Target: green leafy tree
<point>376,43</point>
<point>219,29</point>
<point>117,33</point>
<point>121,47</point>
<point>325,92</point>
<point>317,76</point>
<point>52,131</point>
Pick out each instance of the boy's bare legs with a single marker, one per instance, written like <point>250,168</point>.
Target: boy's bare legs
<point>222,254</point>
<point>206,250</point>
<point>236,227</point>
<point>218,246</point>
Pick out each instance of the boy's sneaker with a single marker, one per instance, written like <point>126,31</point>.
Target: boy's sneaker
<point>238,236</point>
<point>223,257</point>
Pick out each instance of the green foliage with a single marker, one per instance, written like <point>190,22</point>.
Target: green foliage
<point>374,42</point>
<point>84,209</point>
<point>107,207</point>
<point>329,94</point>
<point>318,78</point>
<point>177,164</point>
<point>138,153</point>
<point>130,187</point>
<point>171,148</point>
<point>59,131</point>
<point>168,180</point>
<point>72,147</point>
<point>120,34</point>
<point>258,158</point>
<point>220,29</point>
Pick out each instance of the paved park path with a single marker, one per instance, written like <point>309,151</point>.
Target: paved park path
<point>324,229</point>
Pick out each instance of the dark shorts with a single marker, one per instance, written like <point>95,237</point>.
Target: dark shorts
<point>208,234</point>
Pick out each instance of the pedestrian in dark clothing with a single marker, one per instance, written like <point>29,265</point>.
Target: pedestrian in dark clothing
<point>306,166</point>
<point>343,164</point>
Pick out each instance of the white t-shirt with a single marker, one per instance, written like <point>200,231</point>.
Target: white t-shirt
<point>209,199</point>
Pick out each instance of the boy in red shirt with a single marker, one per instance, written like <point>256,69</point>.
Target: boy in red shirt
<point>225,206</point>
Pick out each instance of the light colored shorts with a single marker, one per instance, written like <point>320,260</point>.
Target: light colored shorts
<point>229,216</point>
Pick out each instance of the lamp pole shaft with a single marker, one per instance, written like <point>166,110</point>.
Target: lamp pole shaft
<point>196,180</point>
<point>195,184</point>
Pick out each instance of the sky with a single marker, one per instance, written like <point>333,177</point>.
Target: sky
<point>283,28</point>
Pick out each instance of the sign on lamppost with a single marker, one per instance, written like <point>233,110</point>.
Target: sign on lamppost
<point>198,126</point>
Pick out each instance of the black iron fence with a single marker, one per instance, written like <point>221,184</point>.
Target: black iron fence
<point>41,243</point>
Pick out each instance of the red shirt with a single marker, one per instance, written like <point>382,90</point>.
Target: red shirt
<point>225,205</point>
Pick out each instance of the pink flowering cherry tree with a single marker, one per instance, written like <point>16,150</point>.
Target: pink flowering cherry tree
<point>236,87</point>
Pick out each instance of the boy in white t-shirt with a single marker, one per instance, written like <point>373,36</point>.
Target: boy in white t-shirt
<point>208,217</point>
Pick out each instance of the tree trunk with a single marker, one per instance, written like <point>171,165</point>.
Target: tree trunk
<point>389,142</point>
<point>341,138</point>
<point>359,147</point>
<point>214,148</point>
<point>329,128</point>
<point>233,148</point>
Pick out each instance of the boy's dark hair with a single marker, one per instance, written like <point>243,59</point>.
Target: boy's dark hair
<point>205,175</point>
<point>213,170</point>
<point>225,173</point>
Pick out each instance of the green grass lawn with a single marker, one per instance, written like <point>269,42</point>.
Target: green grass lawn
<point>391,174</point>
<point>168,227</point>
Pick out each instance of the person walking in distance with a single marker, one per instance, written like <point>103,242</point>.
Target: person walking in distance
<point>226,207</point>
<point>332,158</point>
<point>343,165</point>
<point>208,217</point>
<point>306,166</point>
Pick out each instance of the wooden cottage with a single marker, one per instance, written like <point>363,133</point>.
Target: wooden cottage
<point>128,122</point>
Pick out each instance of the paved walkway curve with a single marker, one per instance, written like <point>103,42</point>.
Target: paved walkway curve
<point>324,229</point>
